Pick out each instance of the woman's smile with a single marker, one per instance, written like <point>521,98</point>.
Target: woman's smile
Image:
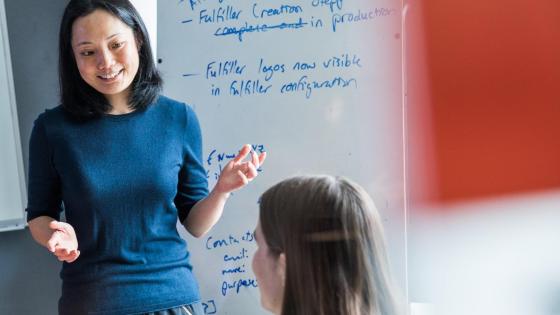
<point>111,77</point>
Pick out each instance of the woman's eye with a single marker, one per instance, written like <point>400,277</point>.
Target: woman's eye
<point>118,45</point>
<point>86,53</point>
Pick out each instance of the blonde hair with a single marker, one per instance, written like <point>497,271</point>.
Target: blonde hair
<point>332,237</point>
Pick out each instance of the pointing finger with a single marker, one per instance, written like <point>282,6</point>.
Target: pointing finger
<point>242,153</point>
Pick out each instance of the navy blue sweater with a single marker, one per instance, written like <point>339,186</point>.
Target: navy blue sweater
<point>122,180</point>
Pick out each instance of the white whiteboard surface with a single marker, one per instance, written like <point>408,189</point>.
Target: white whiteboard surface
<point>12,178</point>
<point>148,10</point>
<point>316,84</point>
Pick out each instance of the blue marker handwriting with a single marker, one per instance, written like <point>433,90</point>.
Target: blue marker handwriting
<point>263,17</point>
<point>213,242</point>
<point>234,250</point>
<point>332,4</point>
<point>238,269</point>
<point>359,16</point>
<point>344,61</point>
<point>250,28</point>
<point>215,69</point>
<point>242,255</point>
<point>236,285</point>
<point>307,85</point>
<point>283,9</point>
<point>248,87</point>
<point>218,15</point>
<point>209,307</point>
<point>269,70</point>
<point>195,3</point>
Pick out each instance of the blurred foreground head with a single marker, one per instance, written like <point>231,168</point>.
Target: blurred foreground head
<point>322,250</point>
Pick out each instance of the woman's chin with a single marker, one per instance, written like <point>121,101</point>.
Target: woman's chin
<point>267,306</point>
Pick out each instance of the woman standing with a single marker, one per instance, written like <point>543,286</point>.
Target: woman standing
<point>124,163</point>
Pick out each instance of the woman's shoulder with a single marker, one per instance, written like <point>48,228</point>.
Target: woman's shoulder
<point>53,115</point>
<point>175,106</point>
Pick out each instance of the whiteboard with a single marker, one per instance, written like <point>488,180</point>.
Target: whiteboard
<point>12,178</point>
<point>317,84</point>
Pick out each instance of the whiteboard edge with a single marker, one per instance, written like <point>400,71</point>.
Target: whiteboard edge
<point>13,109</point>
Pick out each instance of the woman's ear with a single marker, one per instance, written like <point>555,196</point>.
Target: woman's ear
<point>281,268</point>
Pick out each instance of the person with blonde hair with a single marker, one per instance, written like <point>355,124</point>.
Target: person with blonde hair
<point>321,250</point>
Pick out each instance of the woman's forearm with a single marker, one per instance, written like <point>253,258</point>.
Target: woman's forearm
<point>40,229</point>
<point>205,213</point>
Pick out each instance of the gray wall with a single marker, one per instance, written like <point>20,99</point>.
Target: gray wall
<point>29,282</point>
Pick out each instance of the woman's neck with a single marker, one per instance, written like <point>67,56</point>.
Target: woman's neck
<point>119,104</point>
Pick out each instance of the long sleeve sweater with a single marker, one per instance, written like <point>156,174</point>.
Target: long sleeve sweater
<point>122,182</point>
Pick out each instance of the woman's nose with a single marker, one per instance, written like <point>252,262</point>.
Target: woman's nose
<point>105,59</point>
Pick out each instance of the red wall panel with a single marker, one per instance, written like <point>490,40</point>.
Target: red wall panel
<point>494,82</point>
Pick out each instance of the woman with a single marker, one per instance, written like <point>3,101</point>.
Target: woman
<point>321,250</point>
<point>123,163</point>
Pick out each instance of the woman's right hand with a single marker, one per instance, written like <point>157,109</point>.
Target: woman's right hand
<point>63,242</point>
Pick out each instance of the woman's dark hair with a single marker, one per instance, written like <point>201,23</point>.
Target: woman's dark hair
<point>332,237</point>
<point>77,96</point>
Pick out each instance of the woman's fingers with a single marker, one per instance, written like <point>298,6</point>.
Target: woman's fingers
<point>59,244</point>
<point>54,225</point>
<point>238,173</point>
<point>250,171</point>
<point>262,157</point>
<point>56,236</point>
<point>63,243</point>
<point>73,256</point>
<point>244,178</point>
<point>53,242</point>
<point>69,256</point>
<point>258,160</point>
<point>242,153</point>
<point>255,159</point>
<point>62,226</point>
<point>61,251</point>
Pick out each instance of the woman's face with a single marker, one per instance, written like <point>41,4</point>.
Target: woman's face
<point>106,54</point>
<point>269,270</point>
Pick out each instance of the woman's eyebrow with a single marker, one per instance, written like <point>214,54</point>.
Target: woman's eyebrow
<point>87,42</point>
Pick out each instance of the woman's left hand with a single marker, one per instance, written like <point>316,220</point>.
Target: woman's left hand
<point>238,173</point>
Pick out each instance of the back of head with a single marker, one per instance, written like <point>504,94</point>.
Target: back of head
<point>331,235</point>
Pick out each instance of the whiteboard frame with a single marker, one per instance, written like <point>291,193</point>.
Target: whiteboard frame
<point>14,224</point>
